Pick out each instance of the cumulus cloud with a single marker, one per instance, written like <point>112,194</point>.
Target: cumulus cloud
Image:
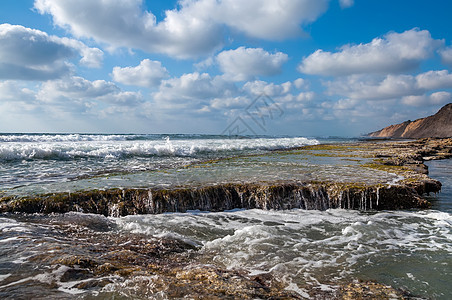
<point>394,53</point>
<point>81,94</point>
<point>446,55</point>
<point>259,87</point>
<point>300,83</point>
<point>434,80</point>
<point>346,3</point>
<point>29,54</point>
<point>267,19</point>
<point>148,73</point>
<point>13,91</point>
<point>194,29</point>
<point>122,98</point>
<point>77,88</point>
<point>438,98</point>
<point>91,57</point>
<point>126,24</point>
<point>391,86</point>
<point>193,91</point>
<point>246,63</point>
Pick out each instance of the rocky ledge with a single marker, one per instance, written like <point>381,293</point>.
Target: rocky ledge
<point>107,264</point>
<point>405,159</point>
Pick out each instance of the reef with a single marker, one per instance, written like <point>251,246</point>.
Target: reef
<point>405,159</point>
<point>95,259</point>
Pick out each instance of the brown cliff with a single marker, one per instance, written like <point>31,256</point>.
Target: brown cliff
<point>438,125</point>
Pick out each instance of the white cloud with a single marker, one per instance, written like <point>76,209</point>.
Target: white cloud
<point>259,87</point>
<point>432,80</point>
<point>193,91</point>
<point>394,53</point>
<point>148,73</point>
<point>357,87</point>
<point>91,57</point>
<point>438,98</point>
<point>267,19</point>
<point>306,96</point>
<point>13,91</point>
<point>127,98</point>
<point>446,55</point>
<point>79,94</point>
<point>391,86</point>
<point>300,83</point>
<point>194,29</point>
<point>29,54</point>
<point>126,24</point>
<point>246,63</point>
<point>346,3</point>
<point>238,102</point>
<point>76,88</point>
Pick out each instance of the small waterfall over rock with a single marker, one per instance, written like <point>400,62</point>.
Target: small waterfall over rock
<point>309,196</point>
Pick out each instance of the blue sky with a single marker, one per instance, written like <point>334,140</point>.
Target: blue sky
<point>289,67</point>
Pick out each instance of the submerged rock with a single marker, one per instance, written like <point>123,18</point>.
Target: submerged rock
<point>137,266</point>
<point>369,290</point>
<point>402,159</point>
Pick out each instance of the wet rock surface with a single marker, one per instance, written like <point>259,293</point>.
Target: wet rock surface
<point>98,264</point>
<point>88,258</point>
<point>371,290</point>
<point>404,159</point>
<point>92,260</point>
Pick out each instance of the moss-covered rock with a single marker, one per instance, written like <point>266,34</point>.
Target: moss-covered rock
<point>405,159</point>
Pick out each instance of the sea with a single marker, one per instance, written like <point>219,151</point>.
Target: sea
<point>409,250</point>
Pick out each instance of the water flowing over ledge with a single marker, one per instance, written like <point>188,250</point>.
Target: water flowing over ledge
<point>381,176</point>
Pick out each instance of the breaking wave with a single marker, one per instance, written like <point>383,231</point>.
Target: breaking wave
<point>73,146</point>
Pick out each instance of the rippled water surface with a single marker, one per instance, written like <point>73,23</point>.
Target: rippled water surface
<point>34,161</point>
<point>306,250</point>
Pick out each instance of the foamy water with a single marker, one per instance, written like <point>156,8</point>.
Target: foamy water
<point>40,159</point>
<point>304,249</point>
<point>313,248</point>
<point>307,250</point>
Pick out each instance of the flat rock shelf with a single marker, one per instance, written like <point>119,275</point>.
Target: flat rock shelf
<point>365,175</point>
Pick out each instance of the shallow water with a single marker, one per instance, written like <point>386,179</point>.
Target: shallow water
<point>307,250</point>
<point>34,164</point>
<point>442,171</point>
<point>49,162</point>
<point>323,249</point>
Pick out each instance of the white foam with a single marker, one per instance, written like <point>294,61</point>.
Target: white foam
<point>4,276</point>
<point>115,148</point>
<point>308,245</point>
<point>7,240</point>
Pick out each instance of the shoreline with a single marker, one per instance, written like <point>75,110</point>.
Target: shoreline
<point>99,255</point>
<point>405,159</point>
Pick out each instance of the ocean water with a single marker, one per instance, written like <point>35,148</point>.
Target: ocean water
<point>40,159</point>
<point>52,163</point>
<point>306,250</point>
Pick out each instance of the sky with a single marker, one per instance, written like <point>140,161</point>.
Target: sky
<point>267,67</point>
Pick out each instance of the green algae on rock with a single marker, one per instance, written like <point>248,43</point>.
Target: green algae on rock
<point>400,160</point>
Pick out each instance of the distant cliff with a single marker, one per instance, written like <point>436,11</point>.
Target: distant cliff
<point>438,125</point>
